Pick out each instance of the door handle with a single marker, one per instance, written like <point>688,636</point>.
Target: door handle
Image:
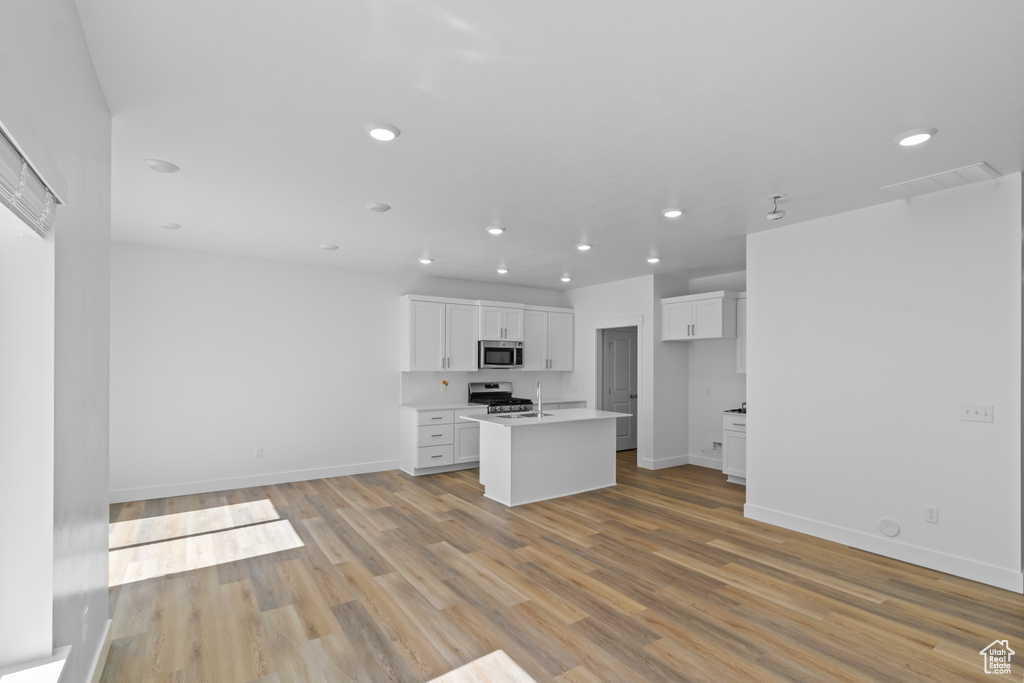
<point>631,396</point>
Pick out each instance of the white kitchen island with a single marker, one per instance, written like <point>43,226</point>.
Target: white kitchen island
<point>526,459</point>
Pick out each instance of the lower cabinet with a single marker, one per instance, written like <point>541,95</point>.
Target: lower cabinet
<point>437,440</point>
<point>467,442</point>
<point>734,447</point>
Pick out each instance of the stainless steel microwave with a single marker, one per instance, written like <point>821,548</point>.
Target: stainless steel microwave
<point>501,354</point>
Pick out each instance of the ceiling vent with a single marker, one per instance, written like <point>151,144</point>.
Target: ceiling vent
<point>23,192</point>
<point>943,181</point>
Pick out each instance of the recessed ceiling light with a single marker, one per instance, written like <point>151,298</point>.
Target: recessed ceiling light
<point>171,226</point>
<point>329,247</point>
<point>426,261</point>
<point>502,271</point>
<point>384,132</point>
<point>583,246</point>
<point>495,230</point>
<point>672,213</point>
<point>914,137</point>
<point>162,166</point>
<point>379,208</point>
<point>566,278</point>
<point>653,259</point>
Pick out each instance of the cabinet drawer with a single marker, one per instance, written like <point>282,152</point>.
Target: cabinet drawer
<point>435,435</point>
<point>435,417</point>
<point>433,456</point>
<point>734,423</point>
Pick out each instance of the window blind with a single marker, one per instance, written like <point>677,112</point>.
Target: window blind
<point>23,192</point>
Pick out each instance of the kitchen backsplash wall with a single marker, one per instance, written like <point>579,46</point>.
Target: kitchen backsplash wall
<point>425,387</point>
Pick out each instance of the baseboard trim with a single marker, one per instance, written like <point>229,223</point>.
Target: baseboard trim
<point>999,577</point>
<point>663,463</point>
<point>100,658</point>
<point>208,486</point>
<point>707,461</point>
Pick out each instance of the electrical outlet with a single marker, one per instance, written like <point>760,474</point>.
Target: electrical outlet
<point>716,445</point>
<point>931,514</point>
<point>259,453</point>
<point>976,412</point>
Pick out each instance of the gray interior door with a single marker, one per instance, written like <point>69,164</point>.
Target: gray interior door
<point>620,383</point>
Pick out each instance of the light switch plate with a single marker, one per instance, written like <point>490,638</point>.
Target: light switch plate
<point>975,412</point>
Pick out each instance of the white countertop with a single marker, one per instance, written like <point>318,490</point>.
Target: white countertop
<point>555,417</point>
<point>462,405</point>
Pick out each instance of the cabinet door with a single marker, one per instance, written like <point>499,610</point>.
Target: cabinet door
<point>461,329</point>
<point>427,327</point>
<point>707,319</point>
<point>467,442</point>
<point>741,336</point>
<point>491,323</point>
<point>676,319</point>
<point>734,454</point>
<point>513,322</point>
<point>560,349</point>
<point>535,340</point>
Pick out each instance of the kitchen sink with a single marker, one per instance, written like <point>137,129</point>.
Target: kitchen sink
<point>516,416</point>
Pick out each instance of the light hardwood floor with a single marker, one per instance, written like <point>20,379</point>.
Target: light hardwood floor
<point>382,577</point>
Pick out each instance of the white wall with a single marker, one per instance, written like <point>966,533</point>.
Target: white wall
<point>714,383</point>
<point>662,436</point>
<point>59,576</point>
<point>867,331</point>
<point>26,442</point>
<point>214,356</point>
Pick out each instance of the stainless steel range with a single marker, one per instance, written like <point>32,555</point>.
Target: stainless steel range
<point>498,398</point>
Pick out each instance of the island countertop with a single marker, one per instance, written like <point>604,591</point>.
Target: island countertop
<point>550,417</point>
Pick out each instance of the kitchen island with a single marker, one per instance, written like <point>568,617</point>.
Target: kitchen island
<point>527,459</point>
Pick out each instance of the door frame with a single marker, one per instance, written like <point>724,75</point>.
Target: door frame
<point>600,326</point>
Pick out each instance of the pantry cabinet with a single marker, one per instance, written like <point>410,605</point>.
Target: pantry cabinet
<point>699,316</point>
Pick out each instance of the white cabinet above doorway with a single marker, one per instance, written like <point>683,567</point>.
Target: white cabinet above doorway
<point>699,316</point>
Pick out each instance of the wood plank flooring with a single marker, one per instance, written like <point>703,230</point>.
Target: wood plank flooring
<point>396,578</point>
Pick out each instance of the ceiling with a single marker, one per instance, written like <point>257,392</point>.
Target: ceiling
<point>564,122</point>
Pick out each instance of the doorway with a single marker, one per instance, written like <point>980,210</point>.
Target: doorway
<point>619,382</point>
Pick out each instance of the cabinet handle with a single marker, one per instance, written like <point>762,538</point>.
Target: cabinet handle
<point>434,436</point>
<point>738,424</point>
<point>437,418</point>
<point>437,456</point>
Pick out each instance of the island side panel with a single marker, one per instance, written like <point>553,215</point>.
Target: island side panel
<point>560,459</point>
<point>496,462</point>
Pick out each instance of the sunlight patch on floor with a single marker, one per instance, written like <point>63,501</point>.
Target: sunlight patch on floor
<point>180,524</point>
<point>169,544</point>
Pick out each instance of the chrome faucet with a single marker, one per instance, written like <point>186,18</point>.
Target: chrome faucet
<point>540,400</point>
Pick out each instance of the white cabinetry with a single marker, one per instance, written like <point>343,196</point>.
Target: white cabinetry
<point>741,333</point>
<point>501,321</point>
<point>547,339</point>
<point>734,447</point>
<point>699,316</point>
<point>429,439</point>
<point>438,334</point>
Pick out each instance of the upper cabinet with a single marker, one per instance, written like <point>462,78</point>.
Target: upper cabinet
<point>501,321</point>
<point>438,334</point>
<point>547,339</point>
<point>699,316</point>
<point>741,333</point>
